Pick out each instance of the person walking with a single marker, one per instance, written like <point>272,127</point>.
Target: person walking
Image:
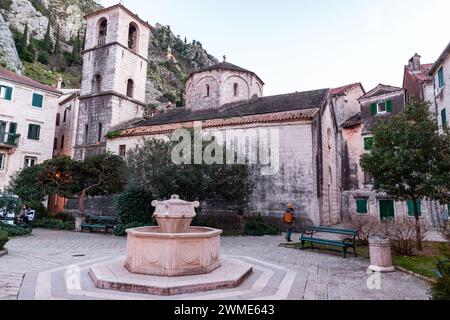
<point>288,220</point>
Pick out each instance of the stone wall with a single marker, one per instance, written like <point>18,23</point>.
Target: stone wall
<point>9,57</point>
<point>221,88</point>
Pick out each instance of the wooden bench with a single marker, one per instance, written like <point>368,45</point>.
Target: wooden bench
<point>97,223</point>
<point>348,242</point>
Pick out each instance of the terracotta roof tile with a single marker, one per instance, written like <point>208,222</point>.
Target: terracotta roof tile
<point>14,77</point>
<point>224,66</point>
<point>423,74</point>
<point>342,90</point>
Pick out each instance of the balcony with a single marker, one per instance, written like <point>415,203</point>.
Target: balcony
<point>9,140</point>
<point>101,41</point>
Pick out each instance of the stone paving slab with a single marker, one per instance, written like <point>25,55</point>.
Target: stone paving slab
<point>279,273</point>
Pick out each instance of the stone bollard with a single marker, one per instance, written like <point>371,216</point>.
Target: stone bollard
<point>380,254</point>
<point>78,222</point>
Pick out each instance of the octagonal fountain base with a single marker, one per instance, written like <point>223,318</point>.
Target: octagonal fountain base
<point>153,252</point>
<point>112,275</point>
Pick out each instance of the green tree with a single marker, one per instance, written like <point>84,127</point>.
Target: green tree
<point>57,49</point>
<point>31,49</point>
<point>26,185</point>
<point>47,42</point>
<point>410,160</point>
<point>98,175</point>
<point>151,169</point>
<point>23,42</point>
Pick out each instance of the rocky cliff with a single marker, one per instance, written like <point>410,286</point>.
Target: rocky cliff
<point>166,76</point>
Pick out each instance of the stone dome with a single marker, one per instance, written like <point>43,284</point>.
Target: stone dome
<point>219,84</point>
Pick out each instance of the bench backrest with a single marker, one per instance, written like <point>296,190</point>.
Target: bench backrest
<point>346,232</point>
<point>102,218</point>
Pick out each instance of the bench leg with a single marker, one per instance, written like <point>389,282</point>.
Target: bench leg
<point>354,250</point>
<point>345,252</point>
<point>303,245</point>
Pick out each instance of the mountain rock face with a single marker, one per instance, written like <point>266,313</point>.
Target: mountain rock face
<point>8,53</point>
<point>167,73</point>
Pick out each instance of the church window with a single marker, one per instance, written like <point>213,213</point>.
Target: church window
<point>86,133</point>
<point>100,130</point>
<point>207,90</point>
<point>236,89</point>
<point>97,84</point>
<point>130,88</point>
<point>132,36</point>
<point>102,31</point>
<point>122,150</point>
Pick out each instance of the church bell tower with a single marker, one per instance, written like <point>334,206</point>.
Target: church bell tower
<point>114,75</point>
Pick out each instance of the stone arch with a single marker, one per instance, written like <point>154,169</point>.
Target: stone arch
<point>133,37</point>
<point>240,89</point>
<point>97,83</point>
<point>102,31</point>
<point>130,88</point>
<point>207,80</point>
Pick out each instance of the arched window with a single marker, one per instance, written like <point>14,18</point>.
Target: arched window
<point>207,90</point>
<point>97,84</point>
<point>132,36</point>
<point>102,31</point>
<point>236,89</point>
<point>130,88</point>
<point>100,132</point>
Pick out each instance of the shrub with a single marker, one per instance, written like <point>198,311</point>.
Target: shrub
<point>49,223</point>
<point>403,236</point>
<point>41,210</point>
<point>134,206</point>
<point>3,239</point>
<point>120,230</point>
<point>9,204</point>
<point>365,225</point>
<point>15,231</point>
<point>441,289</point>
<point>64,217</point>
<point>257,227</point>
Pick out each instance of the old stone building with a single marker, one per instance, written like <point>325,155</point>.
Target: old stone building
<point>417,81</point>
<point>226,97</point>
<point>114,76</point>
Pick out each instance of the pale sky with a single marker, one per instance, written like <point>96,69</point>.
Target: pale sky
<point>297,45</point>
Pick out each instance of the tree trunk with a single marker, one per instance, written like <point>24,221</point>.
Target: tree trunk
<point>419,245</point>
<point>81,203</point>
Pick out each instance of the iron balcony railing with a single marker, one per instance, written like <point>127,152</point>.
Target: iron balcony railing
<point>9,139</point>
<point>101,41</point>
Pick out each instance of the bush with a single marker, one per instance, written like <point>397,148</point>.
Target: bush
<point>41,210</point>
<point>49,223</point>
<point>402,234</point>
<point>134,206</point>
<point>257,227</point>
<point>64,217</point>
<point>15,231</point>
<point>120,230</point>
<point>3,239</point>
<point>441,289</point>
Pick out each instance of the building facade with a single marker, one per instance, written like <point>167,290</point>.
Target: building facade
<point>306,143</point>
<point>27,123</point>
<point>114,76</point>
<point>417,81</point>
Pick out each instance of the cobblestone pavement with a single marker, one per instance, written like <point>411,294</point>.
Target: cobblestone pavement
<point>35,266</point>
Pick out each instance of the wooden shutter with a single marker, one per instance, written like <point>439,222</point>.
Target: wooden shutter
<point>411,208</point>
<point>373,109</point>
<point>444,118</point>
<point>8,93</point>
<point>389,106</point>
<point>37,100</point>
<point>12,133</point>
<point>361,206</point>
<point>368,143</point>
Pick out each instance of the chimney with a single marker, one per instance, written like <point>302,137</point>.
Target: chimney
<point>414,62</point>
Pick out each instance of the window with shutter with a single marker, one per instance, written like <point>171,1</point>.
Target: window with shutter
<point>362,206</point>
<point>374,109</point>
<point>411,208</point>
<point>38,100</point>
<point>6,93</point>
<point>368,143</point>
<point>12,133</point>
<point>389,106</point>
<point>441,78</point>
<point>444,118</point>
<point>2,161</point>
<point>34,131</point>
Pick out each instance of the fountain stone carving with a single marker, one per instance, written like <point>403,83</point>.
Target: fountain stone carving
<point>173,248</point>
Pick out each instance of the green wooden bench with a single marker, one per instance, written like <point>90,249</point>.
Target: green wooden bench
<point>348,242</point>
<point>99,223</point>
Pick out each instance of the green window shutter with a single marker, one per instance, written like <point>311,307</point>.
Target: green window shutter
<point>389,106</point>
<point>361,206</point>
<point>9,93</point>
<point>34,132</point>
<point>441,77</point>
<point>368,143</point>
<point>444,118</point>
<point>38,99</point>
<point>13,128</point>
<point>411,208</point>
<point>373,109</point>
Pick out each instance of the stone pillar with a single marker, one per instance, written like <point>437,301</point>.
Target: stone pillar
<point>380,254</point>
<point>78,222</point>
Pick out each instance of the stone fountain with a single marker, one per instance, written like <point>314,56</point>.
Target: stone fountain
<point>172,258</point>
<point>174,248</point>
